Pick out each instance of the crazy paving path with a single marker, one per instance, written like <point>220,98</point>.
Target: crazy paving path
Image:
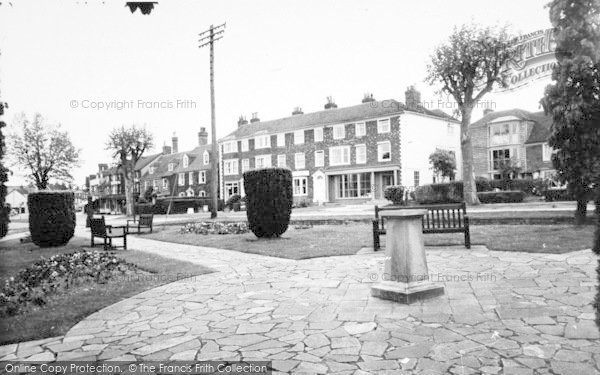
<point>510,313</point>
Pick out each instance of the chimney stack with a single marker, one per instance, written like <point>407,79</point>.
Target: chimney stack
<point>166,149</point>
<point>330,103</point>
<point>297,111</point>
<point>412,98</point>
<point>487,111</point>
<point>175,143</point>
<point>242,121</point>
<point>368,97</point>
<point>254,118</point>
<point>202,137</point>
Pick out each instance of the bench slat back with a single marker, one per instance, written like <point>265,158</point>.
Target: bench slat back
<point>146,220</point>
<point>98,226</point>
<point>442,216</point>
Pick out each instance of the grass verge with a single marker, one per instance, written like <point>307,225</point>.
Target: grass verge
<point>67,307</point>
<point>332,240</point>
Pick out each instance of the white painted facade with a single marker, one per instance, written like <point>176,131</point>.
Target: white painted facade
<point>420,136</point>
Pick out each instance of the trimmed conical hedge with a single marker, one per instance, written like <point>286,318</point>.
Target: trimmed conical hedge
<point>269,199</point>
<point>51,217</point>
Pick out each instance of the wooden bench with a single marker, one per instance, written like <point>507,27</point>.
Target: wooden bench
<point>143,222</point>
<point>440,218</point>
<point>99,229</point>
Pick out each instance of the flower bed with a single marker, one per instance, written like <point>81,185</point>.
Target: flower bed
<point>215,227</point>
<point>33,284</point>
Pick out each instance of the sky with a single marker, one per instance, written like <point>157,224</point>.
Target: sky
<point>91,66</point>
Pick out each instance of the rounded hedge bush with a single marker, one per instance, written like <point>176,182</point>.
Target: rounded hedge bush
<point>51,217</point>
<point>269,199</point>
<point>395,194</point>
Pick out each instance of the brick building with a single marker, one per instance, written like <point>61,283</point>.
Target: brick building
<point>516,137</point>
<point>180,174</point>
<point>341,154</point>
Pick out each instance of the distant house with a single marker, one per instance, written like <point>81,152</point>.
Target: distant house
<point>345,154</point>
<point>17,198</point>
<point>512,136</point>
<point>180,174</point>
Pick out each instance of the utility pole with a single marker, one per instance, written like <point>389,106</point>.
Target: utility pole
<point>214,34</point>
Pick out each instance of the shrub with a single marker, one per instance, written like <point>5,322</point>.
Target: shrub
<point>179,206</point>
<point>269,199</point>
<point>215,227</point>
<point>4,208</point>
<point>33,284</point>
<point>509,196</point>
<point>235,198</point>
<point>51,217</point>
<point>482,184</point>
<point>395,194</point>
<point>551,195</point>
<point>449,192</point>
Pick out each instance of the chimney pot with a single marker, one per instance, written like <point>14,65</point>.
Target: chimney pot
<point>254,118</point>
<point>297,111</point>
<point>242,121</point>
<point>368,97</point>
<point>175,143</point>
<point>330,103</point>
<point>202,137</point>
<point>412,98</point>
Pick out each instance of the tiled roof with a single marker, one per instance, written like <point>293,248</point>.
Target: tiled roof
<point>331,116</point>
<point>145,160</point>
<point>542,123</point>
<point>195,162</point>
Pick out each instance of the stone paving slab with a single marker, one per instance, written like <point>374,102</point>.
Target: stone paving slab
<point>503,313</point>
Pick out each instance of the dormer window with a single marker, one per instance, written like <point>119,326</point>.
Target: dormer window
<point>186,161</point>
<point>151,171</point>
<point>170,167</point>
<point>206,157</point>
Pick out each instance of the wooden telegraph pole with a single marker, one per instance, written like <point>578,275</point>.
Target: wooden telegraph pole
<point>208,38</point>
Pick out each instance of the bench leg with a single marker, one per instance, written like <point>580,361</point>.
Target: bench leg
<point>104,243</point>
<point>376,245</point>
<point>467,238</point>
<point>92,240</point>
<point>125,242</point>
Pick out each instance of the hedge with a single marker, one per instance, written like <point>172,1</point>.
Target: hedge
<point>269,199</point>
<point>509,196</point>
<point>51,217</point>
<point>4,208</point>
<point>449,192</point>
<point>180,205</point>
<point>395,194</point>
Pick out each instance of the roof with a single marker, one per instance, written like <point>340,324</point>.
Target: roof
<point>145,160</point>
<point>20,189</point>
<point>542,123</point>
<point>331,116</point>
<point>195,162</point>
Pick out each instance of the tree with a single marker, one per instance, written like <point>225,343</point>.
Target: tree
<point>573,100</point>
<point>45,151</point>
<point>443,163</point>
<point>468,66</point>
<point>128,145</point>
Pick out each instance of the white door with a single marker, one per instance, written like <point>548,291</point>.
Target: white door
<point>319,187</point>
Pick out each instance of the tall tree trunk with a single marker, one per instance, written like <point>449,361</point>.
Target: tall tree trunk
<point>469,187</point>
<point>581,212</point>
<point>128,174</point>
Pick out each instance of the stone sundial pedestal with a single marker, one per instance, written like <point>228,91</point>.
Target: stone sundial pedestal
<point>406,276</point>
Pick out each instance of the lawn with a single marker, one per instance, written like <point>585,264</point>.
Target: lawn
<point>330,240</point>
<point>68,307</point>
